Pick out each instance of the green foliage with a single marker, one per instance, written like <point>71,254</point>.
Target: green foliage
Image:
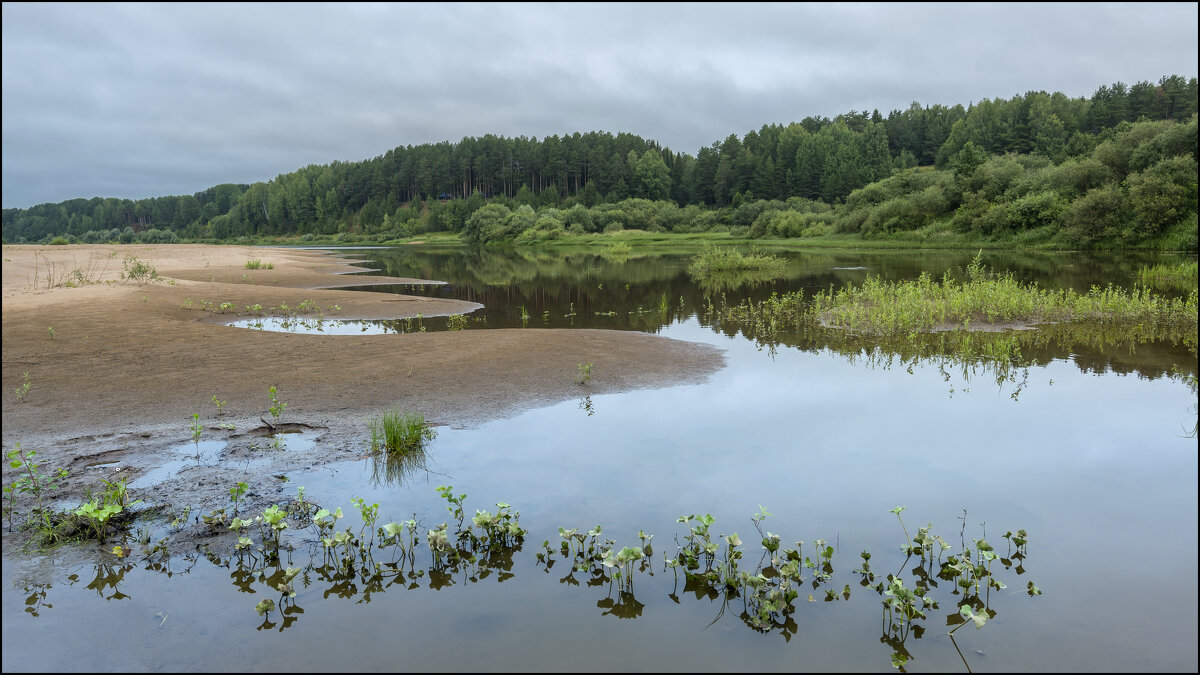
<point>400,433</point>
<point>259,265</point>
<point>24,388</point>
<point>538,191</point>
<point>880,307</point>
<point>236,493</point>
<point>713,261</point>
<point>30,480</point>
<point>1181,276</point>
<point>100,510</point>
<point>277,406</point>
<point>196,427</point>
<point>138,272</point>
<point>585,373</point>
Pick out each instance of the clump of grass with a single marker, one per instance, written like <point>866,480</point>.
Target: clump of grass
<point>259,265</point>
<point>400,433</point>
<point>713,260</point>
<point>1181,276</point>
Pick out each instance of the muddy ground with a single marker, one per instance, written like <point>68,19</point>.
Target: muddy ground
<point>113,386</point>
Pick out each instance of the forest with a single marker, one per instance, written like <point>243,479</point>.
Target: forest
<point>1116,170</point>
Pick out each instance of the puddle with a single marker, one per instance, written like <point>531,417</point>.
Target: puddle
<point>204,453</point>
<point>297,439</point>
<point>321,326</point>
<point>102,465</point>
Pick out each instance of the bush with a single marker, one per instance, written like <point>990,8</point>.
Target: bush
<point>1100,214</point>
<point>1163,194</point>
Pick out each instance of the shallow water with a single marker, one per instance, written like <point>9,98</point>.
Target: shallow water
<point>1090,458</point>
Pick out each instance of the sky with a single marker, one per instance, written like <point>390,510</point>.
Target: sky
<point>145,100</point>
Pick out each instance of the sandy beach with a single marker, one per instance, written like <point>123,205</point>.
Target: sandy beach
<point>126,365</point>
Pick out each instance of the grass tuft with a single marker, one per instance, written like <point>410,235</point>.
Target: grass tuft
<point>400,433</point>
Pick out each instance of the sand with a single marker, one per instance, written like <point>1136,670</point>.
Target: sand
<point>127,365</point>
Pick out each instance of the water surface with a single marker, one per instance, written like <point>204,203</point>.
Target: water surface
<point>1090,456</point>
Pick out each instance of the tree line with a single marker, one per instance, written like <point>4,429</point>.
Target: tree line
<point>818,160</point>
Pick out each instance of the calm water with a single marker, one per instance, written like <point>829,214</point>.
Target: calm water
<point>1090,457</point>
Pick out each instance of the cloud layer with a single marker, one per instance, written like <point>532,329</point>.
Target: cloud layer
<point>146,100</point>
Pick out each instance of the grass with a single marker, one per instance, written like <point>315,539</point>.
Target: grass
<point>259,265</point>
<point>400,433</point>
<point>714,260</point>
<point>884,308</point>
<point>1181,276</point>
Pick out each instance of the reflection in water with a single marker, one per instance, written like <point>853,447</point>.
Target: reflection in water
<point>536,289</point>
<point>1004,357</point>
<point>762,581</point>
<point>399,467</point>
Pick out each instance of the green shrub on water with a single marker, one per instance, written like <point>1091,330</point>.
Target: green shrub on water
<point>713,260</point>
<point>1181,276</point>
<point>396,432</point>
<point>879,307</point>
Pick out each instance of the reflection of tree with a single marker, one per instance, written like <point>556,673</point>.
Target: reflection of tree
<point>36,600</point>
<point>109,577</point>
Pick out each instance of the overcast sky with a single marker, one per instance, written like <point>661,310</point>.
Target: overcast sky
<point>148,100</point>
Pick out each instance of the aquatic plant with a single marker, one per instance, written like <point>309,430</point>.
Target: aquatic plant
<point>100,510</point>
<point>456,322</point>
<point>905,308</point>
<point>713,260</point>
<point>1180,276</point>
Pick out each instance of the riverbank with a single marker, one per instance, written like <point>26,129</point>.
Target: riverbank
<point>116,368</point>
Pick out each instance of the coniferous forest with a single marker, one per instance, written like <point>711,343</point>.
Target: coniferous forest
<point>1115,170</point>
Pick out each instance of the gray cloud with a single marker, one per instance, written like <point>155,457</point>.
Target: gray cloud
<point>146,100</point>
